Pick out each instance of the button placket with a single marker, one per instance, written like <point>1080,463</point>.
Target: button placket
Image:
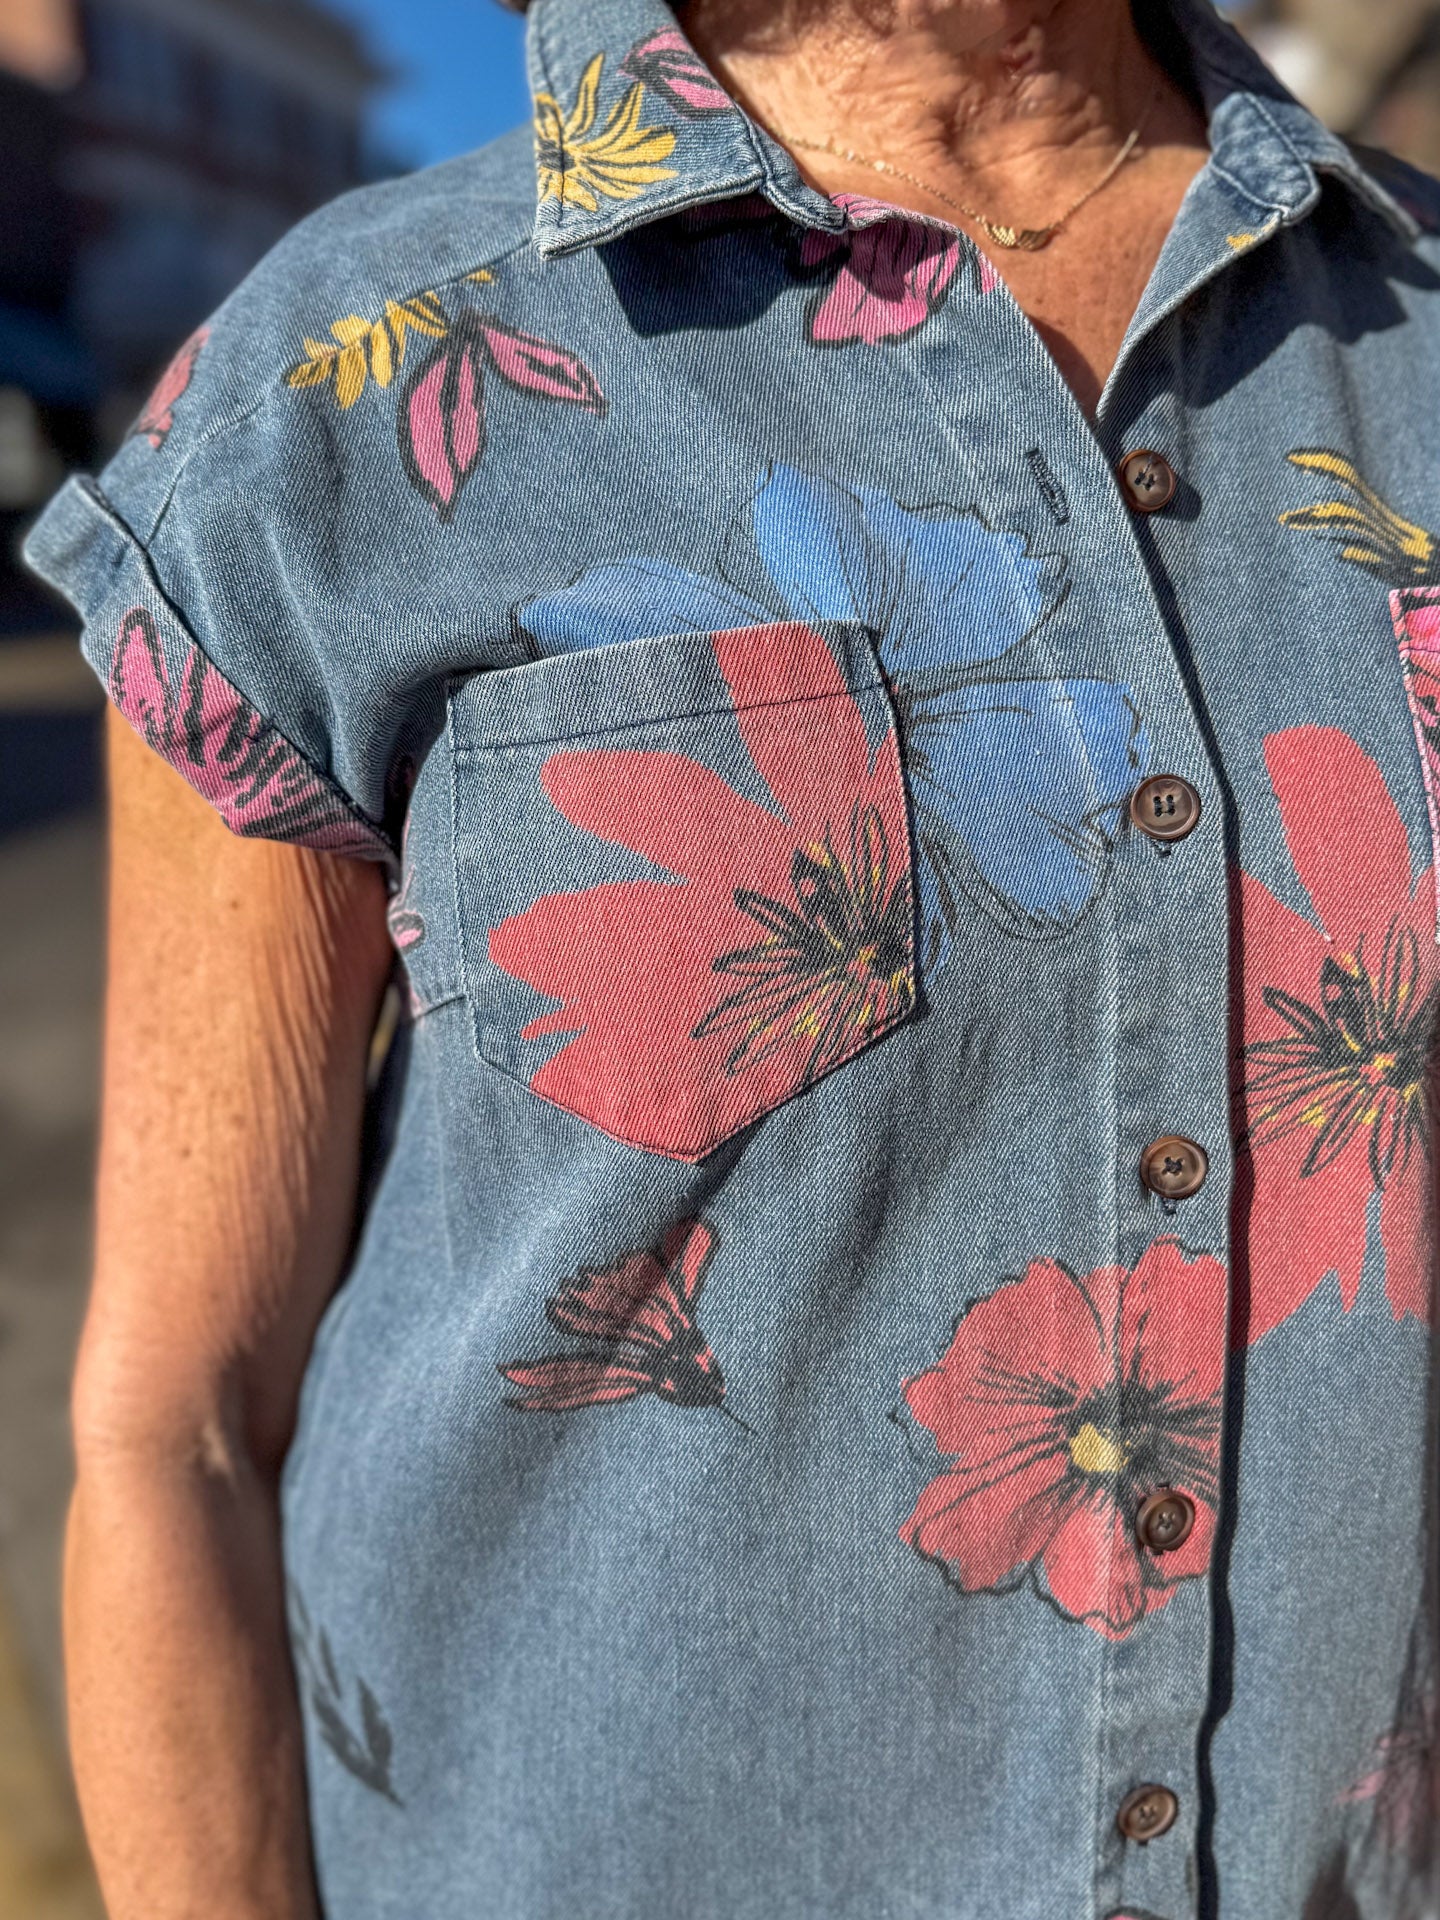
<point>1168,1040</point>
<point>1172,1113</point>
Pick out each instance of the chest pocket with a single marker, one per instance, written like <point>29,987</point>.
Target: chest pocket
<point>684,875</point>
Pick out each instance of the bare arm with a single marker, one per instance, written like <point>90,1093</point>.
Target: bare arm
<point>243,988</point>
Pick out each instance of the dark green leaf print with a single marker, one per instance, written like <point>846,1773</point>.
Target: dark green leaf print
<point>365,1753</point>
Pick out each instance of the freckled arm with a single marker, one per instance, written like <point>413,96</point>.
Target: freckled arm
<point>244,981</point>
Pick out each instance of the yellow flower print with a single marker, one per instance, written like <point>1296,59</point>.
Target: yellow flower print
<point>1368,533</point>
<point>580,166</point>
<point>361,350</point>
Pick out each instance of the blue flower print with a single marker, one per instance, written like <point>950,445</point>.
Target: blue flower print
<point>1018,782</point>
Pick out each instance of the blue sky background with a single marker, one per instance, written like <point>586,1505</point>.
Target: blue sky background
<point>463,78</point>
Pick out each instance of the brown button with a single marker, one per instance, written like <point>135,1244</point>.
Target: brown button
<point>1165,1520</point>
<point>1165,806</point>
<point>1147,1813</point>
<point>1174,1167</point>
<point>1147,480</point>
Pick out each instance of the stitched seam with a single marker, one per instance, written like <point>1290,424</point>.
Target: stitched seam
<point>465,939</point>
<point>471,751</point>
<point>651,210</point>
<point>1354,176</point>
<point>422,1009</point>
<point>638,1146</point>
<point>1259,106</point>
<point>1231,180</point>
<point>692,1157</point>
<point>151,578</point>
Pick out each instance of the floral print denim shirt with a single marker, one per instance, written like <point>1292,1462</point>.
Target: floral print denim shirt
<point>722,1478</point>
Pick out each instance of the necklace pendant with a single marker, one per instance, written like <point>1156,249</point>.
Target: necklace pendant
<point>1026,239</point>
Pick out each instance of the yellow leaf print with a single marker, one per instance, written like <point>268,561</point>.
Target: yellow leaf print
<point>578,165</point>
<point>382,358</point>
<point>1368,533</point>
<point>349,375</point>
<point>312,370</point>
<point>361,350</point>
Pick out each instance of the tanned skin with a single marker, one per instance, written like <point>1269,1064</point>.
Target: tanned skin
<point>1009,106</point>
<point>245,979</point>
<point>244,984</point>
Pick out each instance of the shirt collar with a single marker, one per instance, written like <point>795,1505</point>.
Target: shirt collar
<point>630,126</point>
<point>1273,148</point>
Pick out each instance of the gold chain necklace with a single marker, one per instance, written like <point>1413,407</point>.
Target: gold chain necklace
<point>1027,239</point>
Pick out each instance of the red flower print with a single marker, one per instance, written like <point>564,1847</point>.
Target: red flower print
<point>787,944</point>
<point>227,751</point>
<point>1336,1022</point>
<point>895,272</point>
<point>158,414</point>
<point>637,1320</point>
<point>1061,1404</point>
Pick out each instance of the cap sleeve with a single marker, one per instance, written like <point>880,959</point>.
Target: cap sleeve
<point>175,695</point>
<point>193,601</point>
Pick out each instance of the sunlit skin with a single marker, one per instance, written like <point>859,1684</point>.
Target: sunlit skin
<point>226,1200</point>
<point>1011,106</point>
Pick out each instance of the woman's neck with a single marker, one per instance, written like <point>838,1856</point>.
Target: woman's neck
<point>1015,102</point>
<point>1010,107</point>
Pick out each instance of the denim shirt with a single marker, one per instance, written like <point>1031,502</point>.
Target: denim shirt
<point>887,1370</point>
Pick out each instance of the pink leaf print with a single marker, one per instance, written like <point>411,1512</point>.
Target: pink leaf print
<point>406,923</point>
<point>158,415</point>
<point>894,274</point>
<point>668,63</point>
<point>227,751</point>
<point>536,366</point>
<point>442,428</point>
<point>442,420</point>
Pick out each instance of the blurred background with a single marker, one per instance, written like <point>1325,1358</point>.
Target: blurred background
<point>150,152</point>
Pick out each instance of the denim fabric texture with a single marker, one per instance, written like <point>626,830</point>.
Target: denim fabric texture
<point>719,1476</point>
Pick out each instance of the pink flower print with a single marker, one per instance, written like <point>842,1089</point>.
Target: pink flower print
<point>536,366</point>
<point>158,414</point>
<point>1059,1405</point>
<point>668,63</point>
<point>1415,612</point>
<point>227,751</point>
<point>895,272</point>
